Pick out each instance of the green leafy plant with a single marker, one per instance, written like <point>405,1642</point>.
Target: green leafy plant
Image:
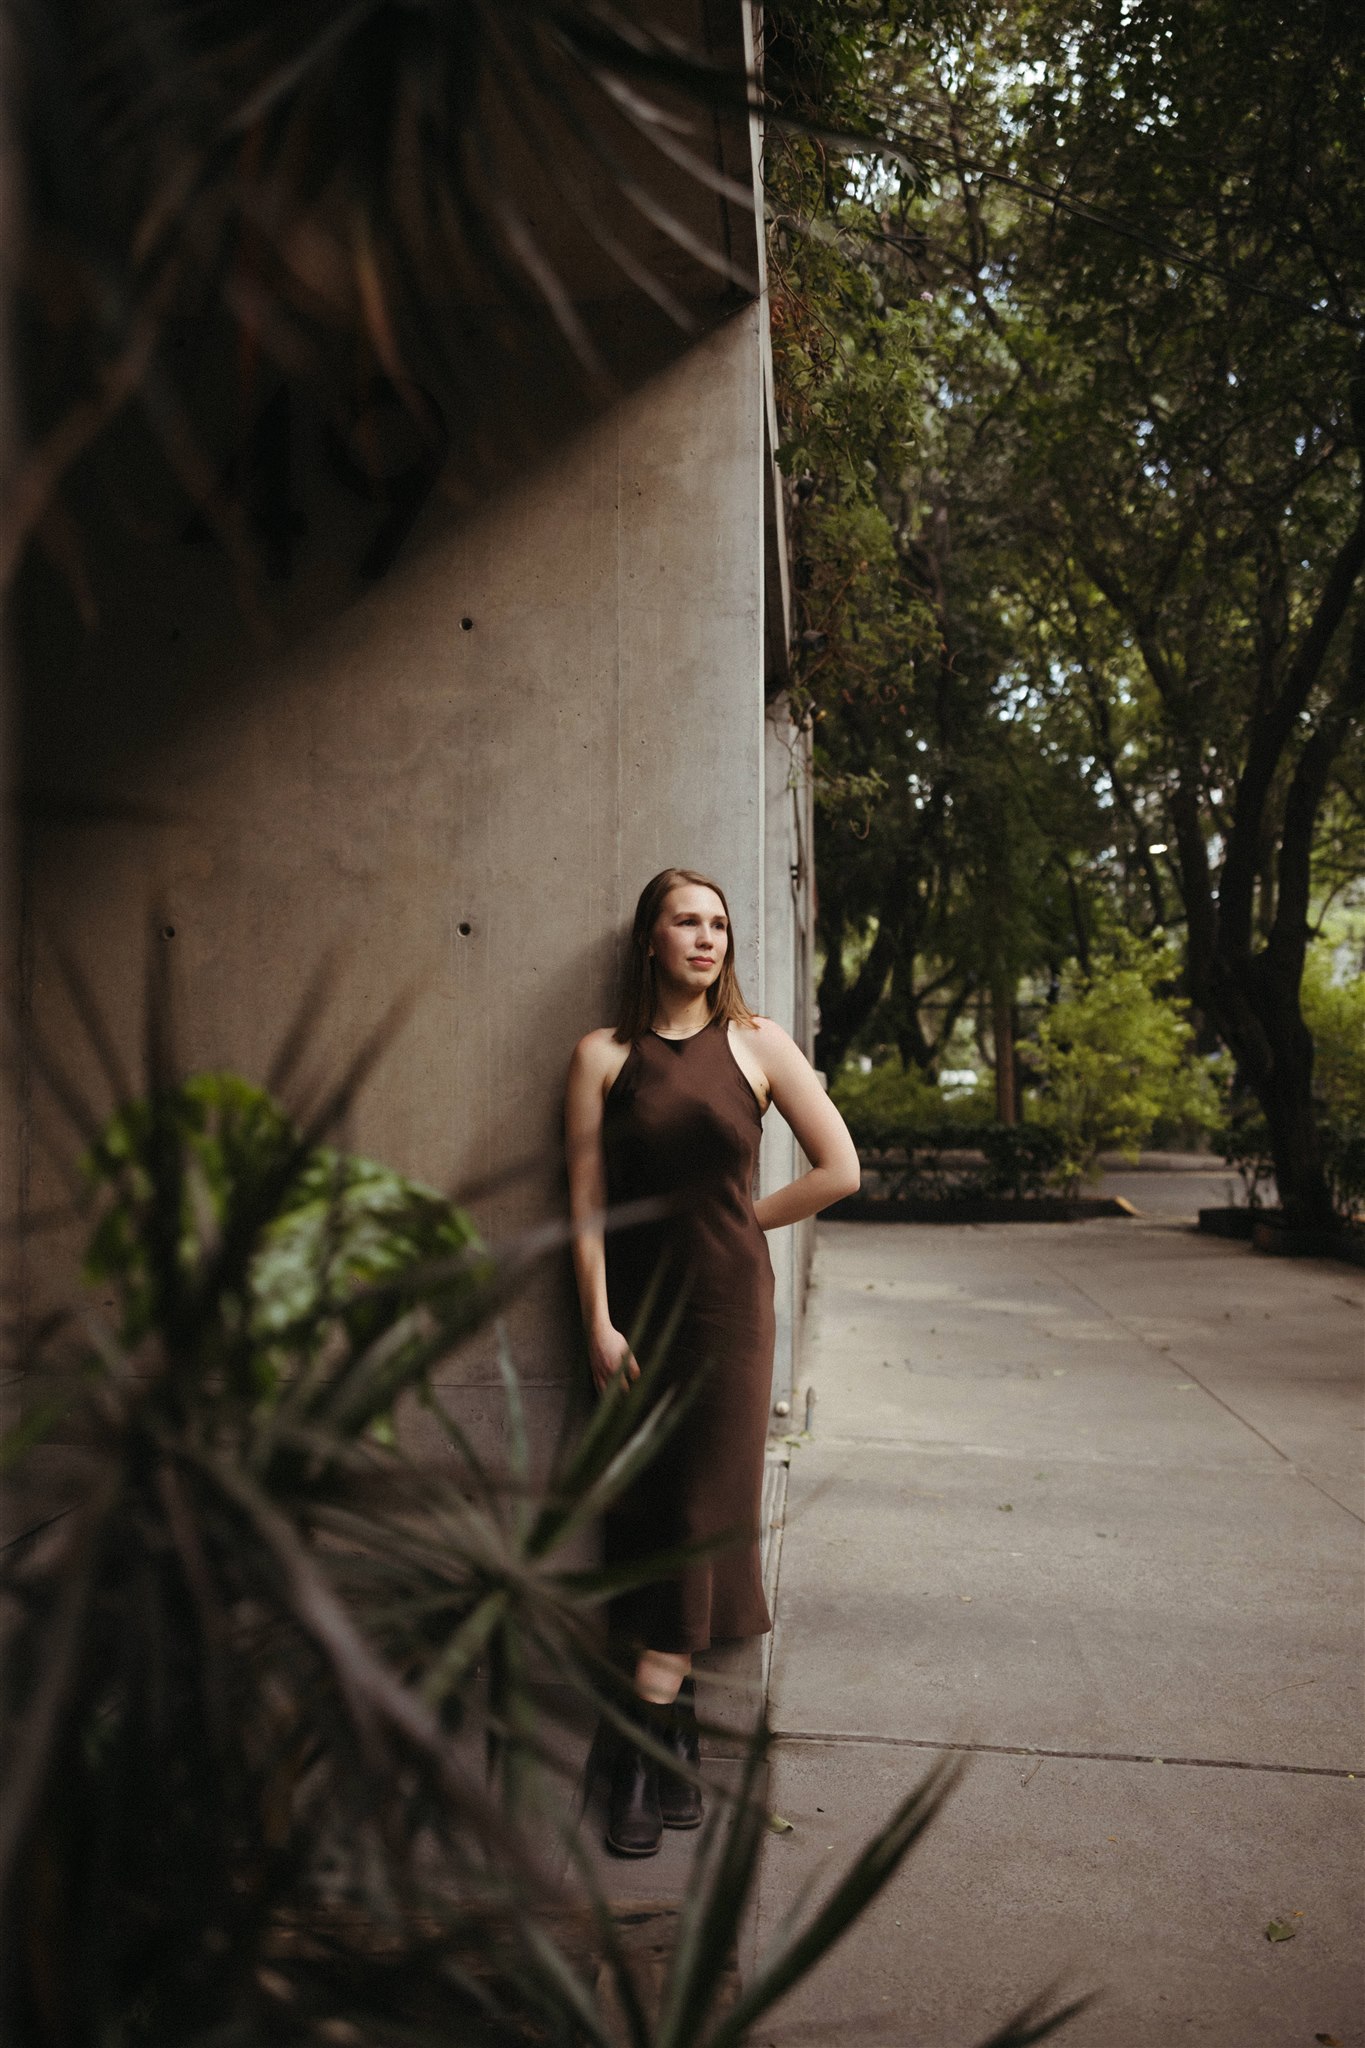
<point>1343,1158</point>
<point>1245,1144</point>
<point>1021,1159</point>
<point>340,1236</point>
<point>1335,1014</point>
<point>1112,1057</point>
<point>962,1162</point>
<point>923,1143</point>
<point>892,1105</point>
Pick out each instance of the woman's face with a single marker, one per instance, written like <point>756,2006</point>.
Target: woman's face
<point>690,937</point>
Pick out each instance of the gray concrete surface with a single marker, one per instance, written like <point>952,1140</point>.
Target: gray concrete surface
<point>1082,1505</point>
<point>468,815</point>
<point>1178,1190</point>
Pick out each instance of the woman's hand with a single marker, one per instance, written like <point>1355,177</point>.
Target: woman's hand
<point>611,1358</point>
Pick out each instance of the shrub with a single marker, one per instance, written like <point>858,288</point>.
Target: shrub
<point>1245,1145</point>
<point>940,1165</point>
<point>1335,1014</point>
<point>1021,1159</point>
<point>894,1106</point>
<point>1112,1057</point>
<point>1343,1160</point>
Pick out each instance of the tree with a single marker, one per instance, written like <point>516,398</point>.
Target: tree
<point>1181,373</point>
<point>944,831</point>
<point>1144,381</point>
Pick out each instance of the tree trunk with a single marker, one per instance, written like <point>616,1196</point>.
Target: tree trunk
<point>1002,1020</point>
<point>1258,1013</point>
<point>845,1008</point>
<point>1257,992</point>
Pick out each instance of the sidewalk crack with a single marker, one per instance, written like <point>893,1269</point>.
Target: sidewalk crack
<point>1096,1756</point>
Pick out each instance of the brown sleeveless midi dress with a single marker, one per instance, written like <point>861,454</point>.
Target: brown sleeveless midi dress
<point>681,1122</point>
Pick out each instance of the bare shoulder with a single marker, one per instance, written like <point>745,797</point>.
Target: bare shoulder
<point>594,1045</point>
<point>770,1041</point>
<point>598,1057</point>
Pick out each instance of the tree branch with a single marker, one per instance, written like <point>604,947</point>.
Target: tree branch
<point>1306,791</point>
<point>1271,730</point>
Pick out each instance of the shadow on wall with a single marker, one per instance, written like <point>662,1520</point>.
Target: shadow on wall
<point>460,780</point>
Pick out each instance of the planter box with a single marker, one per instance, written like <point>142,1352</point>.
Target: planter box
<point>1238,1222</point>
<point>974,1209</point>
<point>1272,1235</point>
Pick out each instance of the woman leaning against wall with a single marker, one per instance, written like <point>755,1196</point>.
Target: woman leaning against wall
<point>667,1108</point>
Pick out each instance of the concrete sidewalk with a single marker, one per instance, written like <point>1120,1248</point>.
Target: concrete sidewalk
<point>1082,1503</point>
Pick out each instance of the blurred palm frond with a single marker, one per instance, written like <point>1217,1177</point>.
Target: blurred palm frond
<point>293,1712</point>
<point>332,193</point>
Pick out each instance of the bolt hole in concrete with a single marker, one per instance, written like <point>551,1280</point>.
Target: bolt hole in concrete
<point>464,928</point>
<point>466,625</point>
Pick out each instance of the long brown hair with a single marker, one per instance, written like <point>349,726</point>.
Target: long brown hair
<point>640,982</point>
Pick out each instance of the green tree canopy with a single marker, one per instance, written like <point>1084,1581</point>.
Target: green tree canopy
<point>1129,496</point>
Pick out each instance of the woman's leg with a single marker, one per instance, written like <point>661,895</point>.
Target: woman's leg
<point>663,1682</point>
<point>644,1797</point>
<point>659,1675</point>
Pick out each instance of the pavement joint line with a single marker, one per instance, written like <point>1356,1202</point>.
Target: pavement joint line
<point>1190,1374</point>
<point>773,1574</point>
<point>946,1447</point>
<point>1089,1756</point>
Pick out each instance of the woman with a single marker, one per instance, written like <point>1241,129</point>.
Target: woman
<point>668,1108</point>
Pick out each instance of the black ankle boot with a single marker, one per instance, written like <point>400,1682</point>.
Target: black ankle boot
<point>634,1823</point>
<point>679,1798</point>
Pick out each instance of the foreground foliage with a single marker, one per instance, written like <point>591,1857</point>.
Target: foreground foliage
<point>215,200</point>
<point>280,1761</point>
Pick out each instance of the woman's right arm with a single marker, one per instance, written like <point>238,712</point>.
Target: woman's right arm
<point>608,1350</point>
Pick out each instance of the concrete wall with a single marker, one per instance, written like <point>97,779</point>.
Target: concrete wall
<point>466,810</point>
<point>787,997</point>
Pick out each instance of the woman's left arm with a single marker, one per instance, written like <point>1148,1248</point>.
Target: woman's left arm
<point>820,1131</point>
